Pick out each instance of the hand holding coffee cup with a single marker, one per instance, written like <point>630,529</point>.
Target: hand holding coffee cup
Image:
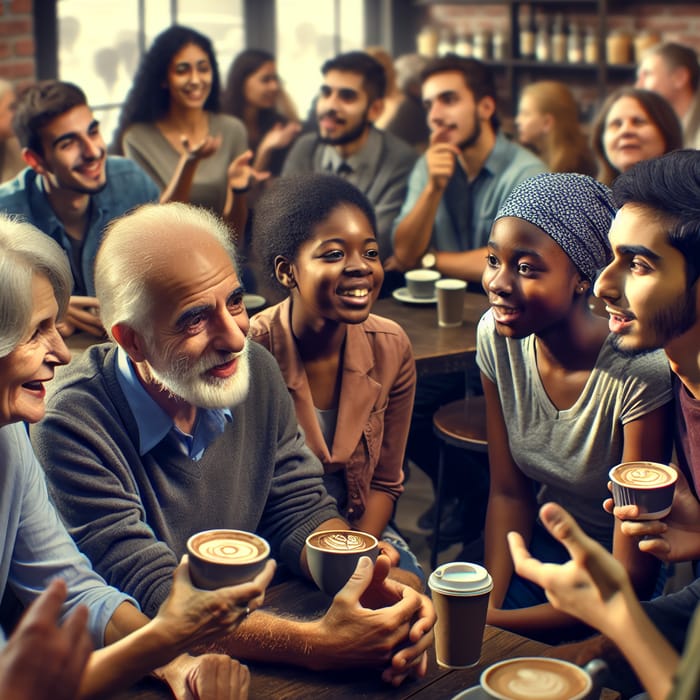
<point>332,556</point>
<point>647,485</point>
<point>225,557</point>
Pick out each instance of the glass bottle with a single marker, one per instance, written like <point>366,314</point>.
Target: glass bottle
<point>527,32</point>
<point>590,46</point>
<point>574,45</point>
<point>481,45</point>
<point>558,40</point>
<point>498,45</point>
<point>542,42</point>
<point>463,44</point>
<point>445,44</point>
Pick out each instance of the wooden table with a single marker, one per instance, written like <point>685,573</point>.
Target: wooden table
<point>436,349</point>
<point>272,682</point>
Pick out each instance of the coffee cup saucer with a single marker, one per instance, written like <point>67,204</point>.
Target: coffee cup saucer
<point>403,295</point>
<point>474,693</point>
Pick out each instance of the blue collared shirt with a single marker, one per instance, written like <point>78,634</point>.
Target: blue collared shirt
<point>127,186</point>
<point>467,209</point>
<point>154,423</point>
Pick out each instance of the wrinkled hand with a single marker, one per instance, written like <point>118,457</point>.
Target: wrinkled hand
<point>241,173</point>
<point>374,621</point>
<point>83,313</point>
<point>592,586</point>
<point>206,677</point>
<point>205,148</point>
<point>45,659</point>
<point>674,538</point>
<point>196,616</point>
<point>279,136</point>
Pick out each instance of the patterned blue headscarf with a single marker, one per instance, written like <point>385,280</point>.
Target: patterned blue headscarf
<point>575,210</point>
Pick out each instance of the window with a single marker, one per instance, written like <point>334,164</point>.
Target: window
<point>101,50</point>
<point>308,33</point>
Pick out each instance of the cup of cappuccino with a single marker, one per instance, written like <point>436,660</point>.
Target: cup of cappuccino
<point>647,485</point>
<point>460,593</point>
<point>421,283</point>
<point>538,677</point>
<point>332,556</point>
<point>220,558</point>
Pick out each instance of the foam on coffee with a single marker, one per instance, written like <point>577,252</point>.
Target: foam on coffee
<point>229,547</point>
<point>342,541</point>
<point>642,475</point>
<point>536,679</point>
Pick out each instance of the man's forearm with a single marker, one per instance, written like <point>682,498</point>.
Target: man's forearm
<point>412,235</point>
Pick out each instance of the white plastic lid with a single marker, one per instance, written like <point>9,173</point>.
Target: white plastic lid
<point>460,578</point>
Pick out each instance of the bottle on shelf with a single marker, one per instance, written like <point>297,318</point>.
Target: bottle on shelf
<point>527,32</point>
<point>590,46</point>
<point>558,41</point>
<point>445,44</point>
<point>542,40</point>
<point>482,42</point>
<point>463,44</point>
<point>574,45</point>
<point>499,48</point>
<point>427,42</point>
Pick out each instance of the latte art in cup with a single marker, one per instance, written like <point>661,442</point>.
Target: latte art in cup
<point>536,679</point>
<point>225,557</point>
<point>227,549</point>
<point>647,485</point>
<point>343,541</point>
<point>644,475</point>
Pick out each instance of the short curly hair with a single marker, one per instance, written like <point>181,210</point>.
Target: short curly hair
<point>290,209</point>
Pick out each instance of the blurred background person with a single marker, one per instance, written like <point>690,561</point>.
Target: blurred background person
<point>254,94</point>
<point>10,152</point>
<point>548,123</point>
<point>633,125</point>
<point>410,121</point>
<point>673,71</point>
<point>171,125</point>
<point>392,95</point>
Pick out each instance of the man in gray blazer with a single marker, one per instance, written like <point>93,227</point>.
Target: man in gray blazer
<point>347,143</point>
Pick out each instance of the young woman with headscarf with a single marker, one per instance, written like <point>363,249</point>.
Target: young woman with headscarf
<point>563,406</point>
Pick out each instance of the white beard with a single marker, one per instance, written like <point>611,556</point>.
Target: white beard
<point>193,385</point>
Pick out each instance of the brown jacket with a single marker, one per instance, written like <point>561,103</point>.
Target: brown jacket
<point>375,405</point>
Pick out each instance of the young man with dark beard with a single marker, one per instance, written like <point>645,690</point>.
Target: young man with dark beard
<point>347,143</point>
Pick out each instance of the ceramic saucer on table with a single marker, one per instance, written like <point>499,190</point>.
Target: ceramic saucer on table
<point>402,294</point>
<point>253,302</point>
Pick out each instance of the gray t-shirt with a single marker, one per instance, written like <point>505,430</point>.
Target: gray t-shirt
<point>569,453</point>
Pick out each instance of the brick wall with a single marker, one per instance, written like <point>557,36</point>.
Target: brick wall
<point>17,41</point>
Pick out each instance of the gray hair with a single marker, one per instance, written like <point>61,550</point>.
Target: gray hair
<point>131,248</point>
<point>24,252</point>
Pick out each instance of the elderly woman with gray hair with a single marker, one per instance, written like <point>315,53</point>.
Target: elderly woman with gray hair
<point>562,405</point>
<point>49,655</point>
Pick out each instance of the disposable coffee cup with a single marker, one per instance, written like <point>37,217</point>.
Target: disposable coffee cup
<point>223,557</point>
<point>421,283</point>
<point>538,677</point>
<point>460,593</point>
<point>647,485</point>
<point>450,302</point>
<point>332,556</point>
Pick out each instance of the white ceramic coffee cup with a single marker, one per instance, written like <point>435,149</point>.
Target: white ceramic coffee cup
<point>421,283</point>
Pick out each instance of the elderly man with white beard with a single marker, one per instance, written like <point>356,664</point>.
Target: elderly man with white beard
<point>182,425</point>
